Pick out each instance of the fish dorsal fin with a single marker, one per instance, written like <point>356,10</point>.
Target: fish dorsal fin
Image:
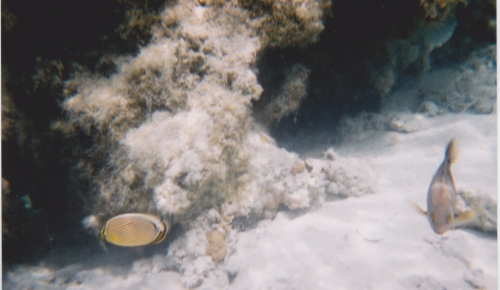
<point>451,153</point>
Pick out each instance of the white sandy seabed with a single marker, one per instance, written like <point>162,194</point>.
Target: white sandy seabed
<point>376,241</point>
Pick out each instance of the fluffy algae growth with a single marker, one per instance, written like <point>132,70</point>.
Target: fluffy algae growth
<point>173,132</point>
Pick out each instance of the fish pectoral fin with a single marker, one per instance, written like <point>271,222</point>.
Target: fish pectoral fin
<point>103,245</point>
<point>419,209</point>
<point>465,218</point>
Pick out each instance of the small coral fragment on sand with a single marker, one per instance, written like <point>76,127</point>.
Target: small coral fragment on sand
<point>216,247</point>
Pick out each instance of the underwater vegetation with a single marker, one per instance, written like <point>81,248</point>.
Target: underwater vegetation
<point>291,94</point>
<point>173,109</point>
<point>359,67</point>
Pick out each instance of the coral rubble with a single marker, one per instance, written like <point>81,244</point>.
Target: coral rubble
<point>175,126</point>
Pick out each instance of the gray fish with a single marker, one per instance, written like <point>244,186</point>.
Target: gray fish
<point>442,194</point>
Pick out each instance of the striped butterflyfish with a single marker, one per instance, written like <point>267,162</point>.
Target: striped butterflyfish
<point>134,229</point>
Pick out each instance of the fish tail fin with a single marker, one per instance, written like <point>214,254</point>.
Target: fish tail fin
<point>452,150</point>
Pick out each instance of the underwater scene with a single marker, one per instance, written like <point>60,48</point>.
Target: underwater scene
<point>249,144</point>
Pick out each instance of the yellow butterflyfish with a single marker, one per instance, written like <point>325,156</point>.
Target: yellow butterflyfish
<point>134,229</point>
